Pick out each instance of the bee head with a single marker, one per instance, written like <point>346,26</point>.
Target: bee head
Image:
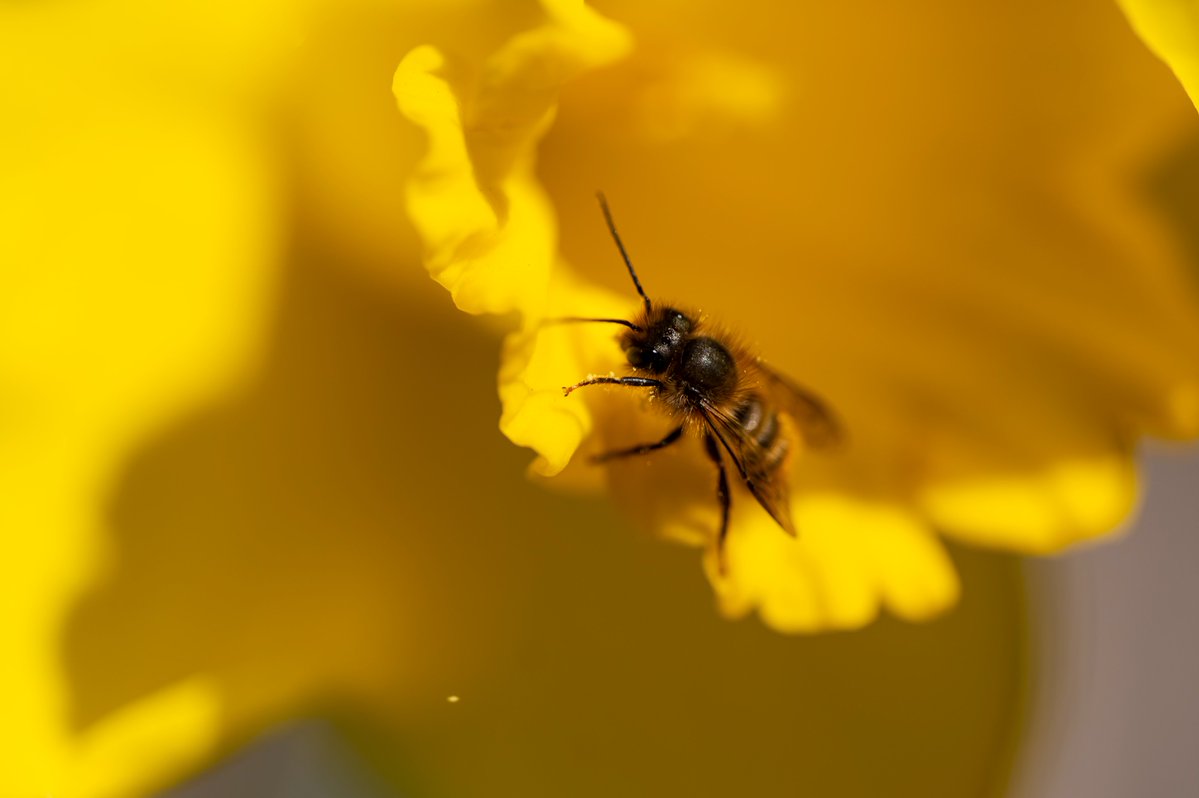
<point>658,342</point>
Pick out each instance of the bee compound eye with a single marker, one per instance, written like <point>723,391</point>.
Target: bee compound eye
<point>637,357</point>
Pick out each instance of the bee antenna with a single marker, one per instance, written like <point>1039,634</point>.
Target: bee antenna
<point>603,202</point>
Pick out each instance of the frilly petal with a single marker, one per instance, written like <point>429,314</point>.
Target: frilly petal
<point>540,357</point>
<point>489,229</point>
<point>490,233</point>
<point>852,557</point>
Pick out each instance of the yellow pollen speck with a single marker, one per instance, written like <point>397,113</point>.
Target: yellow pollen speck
<point>453,699</point>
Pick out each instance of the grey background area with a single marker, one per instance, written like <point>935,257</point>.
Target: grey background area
<point>1115,708</point>
<point>1116,696</point>
<point>306,760</point>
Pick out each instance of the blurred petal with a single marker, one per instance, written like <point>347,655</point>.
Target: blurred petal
<point>1171,28</point>
<point>140,234</point>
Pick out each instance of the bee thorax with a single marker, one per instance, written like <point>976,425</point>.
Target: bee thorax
<point>707,365</point>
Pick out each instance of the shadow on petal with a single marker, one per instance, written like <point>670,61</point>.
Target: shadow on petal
<point>354,537</point>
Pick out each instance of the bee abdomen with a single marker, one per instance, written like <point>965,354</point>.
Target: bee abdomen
<point>774,456</point>
<point>749,413</point>
<point>768,433</point>
<point>762,424</point>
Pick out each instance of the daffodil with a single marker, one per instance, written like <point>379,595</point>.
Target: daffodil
<point>986,328</point>
<point>250,464</point>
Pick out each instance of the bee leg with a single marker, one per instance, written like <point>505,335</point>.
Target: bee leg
<point>722,494</point>
<point>644,448</point>
<point>633,382</point>
<point>577,319</point>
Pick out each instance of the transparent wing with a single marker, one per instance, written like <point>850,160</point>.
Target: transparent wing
<point>769,486</point>
<point>819,424</point>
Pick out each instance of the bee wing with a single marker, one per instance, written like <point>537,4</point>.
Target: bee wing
<point>821,427</point>
<point>769,487</point>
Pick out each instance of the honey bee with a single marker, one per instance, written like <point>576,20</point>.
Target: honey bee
<point>720,392</point>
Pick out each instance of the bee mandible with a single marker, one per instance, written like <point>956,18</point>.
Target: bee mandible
<point>716,390</point>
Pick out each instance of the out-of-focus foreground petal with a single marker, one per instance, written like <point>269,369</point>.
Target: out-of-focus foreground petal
<point>127,301</point>
<point>1171,28</point>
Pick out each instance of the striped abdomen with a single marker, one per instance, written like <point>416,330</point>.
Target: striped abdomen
<point>761,425</point>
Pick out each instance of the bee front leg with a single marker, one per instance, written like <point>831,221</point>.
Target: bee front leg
<point>632,382</point>
<point>644,448</point>
<point>722,495</point>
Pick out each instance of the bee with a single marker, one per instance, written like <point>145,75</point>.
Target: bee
<point>718,391</point>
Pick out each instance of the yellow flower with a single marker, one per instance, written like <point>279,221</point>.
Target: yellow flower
<point>249,458</point>
<point>998,332</point>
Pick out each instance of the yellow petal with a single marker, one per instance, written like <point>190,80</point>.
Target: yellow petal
<point>488,227</point>
<point>851,558</point>
<point>973,286</point>
<point>541,359</point>
<point>146,743</point>
<point>139,250</point>
<point>114,331</point>
<point>1035,509</point>
<point>976,291</point>
<point>1171,28</point>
